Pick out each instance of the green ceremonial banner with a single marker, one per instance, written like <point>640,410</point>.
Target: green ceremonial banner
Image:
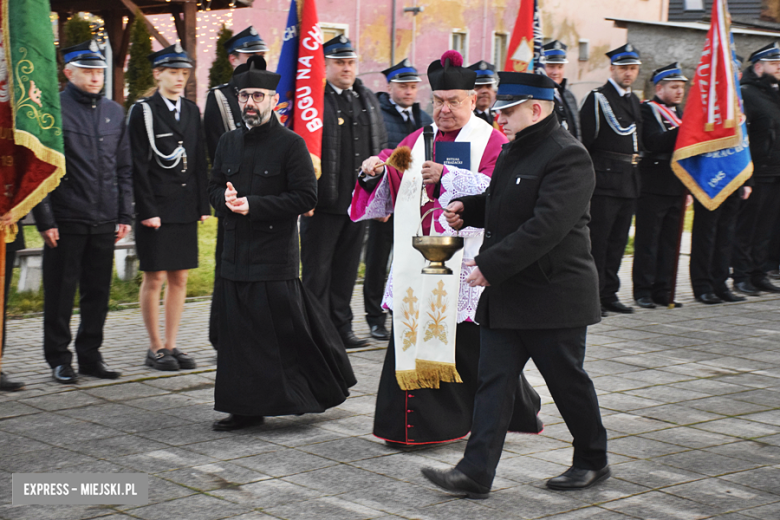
<point>32,157</point>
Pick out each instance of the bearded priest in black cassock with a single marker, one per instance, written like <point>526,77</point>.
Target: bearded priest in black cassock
<point>281,355</point>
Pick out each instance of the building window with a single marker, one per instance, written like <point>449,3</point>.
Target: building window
<point>331,30</point>
<point>499,50</point>
<point>693,5</point>
<point>584,48</point>
<point>459,41</point>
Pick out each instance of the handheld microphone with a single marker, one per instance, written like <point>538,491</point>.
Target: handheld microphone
<point>428,137</point>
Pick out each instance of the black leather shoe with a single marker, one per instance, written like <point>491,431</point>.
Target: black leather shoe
<point>161,360</point>
<point>352,341</point>
<point>455,481</point>
<point>746,288</point>
<point>603,312</point>
<point>766,285</point>
<point>645,302</point>
<point>728,296</point>
<point>236,422</point>
<point>100,370</point>
<point>64,374</point>
<point>6,385</point>
<point>379,332</point>
<point>576,478</point>
<point>709,298</point>
<point>774,274</point>
<point>616,307</point>
<point>185,360</point>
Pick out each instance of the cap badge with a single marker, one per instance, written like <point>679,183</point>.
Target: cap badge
<point>482,65</point>
<point>629,48</point>
<point>252,31</point>
<point>342,38</point>
<point>557,45</point>
<point>178,49</point>
<point>93,46</point>
<point>407,63</point>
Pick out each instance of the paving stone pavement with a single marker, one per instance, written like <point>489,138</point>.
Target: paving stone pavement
<point>690,398</point>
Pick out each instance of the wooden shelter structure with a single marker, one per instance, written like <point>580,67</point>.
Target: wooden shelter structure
<point>184,13</point>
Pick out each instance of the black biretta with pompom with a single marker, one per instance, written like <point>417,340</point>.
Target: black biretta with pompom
<point>448,73</point>
<point>252,74</point>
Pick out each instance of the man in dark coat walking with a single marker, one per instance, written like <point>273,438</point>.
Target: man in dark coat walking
<point>280,354</point>
<point>353,130</point>
<point>84,216</point>
<point>541,287</point>
<point>402,115</point>
<point>758,215</point>
<point>660,206</point>
<point>611,123</point>
<point>223,114</point>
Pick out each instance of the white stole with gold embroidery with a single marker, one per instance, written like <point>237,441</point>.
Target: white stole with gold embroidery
<point>425,306</point>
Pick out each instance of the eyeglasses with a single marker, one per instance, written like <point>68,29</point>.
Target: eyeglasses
<point>453,105</point>
<point>257,97</point>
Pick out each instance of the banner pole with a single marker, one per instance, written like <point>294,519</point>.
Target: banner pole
<point>2,289</point>
<point>681,227</point>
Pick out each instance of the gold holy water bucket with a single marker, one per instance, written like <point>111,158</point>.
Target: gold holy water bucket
<point>436,249</point>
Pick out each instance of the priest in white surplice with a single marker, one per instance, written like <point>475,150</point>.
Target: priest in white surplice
<point>427,387</point>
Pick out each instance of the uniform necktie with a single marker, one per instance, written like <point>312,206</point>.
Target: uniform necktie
<point>408,120</point>
<point>175,113</point>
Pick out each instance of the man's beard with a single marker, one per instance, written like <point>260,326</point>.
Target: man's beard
<point>256,119</point>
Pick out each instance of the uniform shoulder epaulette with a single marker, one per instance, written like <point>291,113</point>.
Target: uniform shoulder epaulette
<point>216,87</point>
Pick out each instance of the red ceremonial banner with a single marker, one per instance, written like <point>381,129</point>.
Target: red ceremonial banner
<point>520,54</point>
<point>310,83</point>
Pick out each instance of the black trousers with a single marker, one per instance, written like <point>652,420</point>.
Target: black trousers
<point>330,255</point>
<point>85,262</point>
<point>755,223</point>
<point>711,244</point>
<point>610,221</point>
<point>216,296</point>
<point>655,244</point>
<point>559,355</point>
<point>378,247</point>
<point>10,257</point>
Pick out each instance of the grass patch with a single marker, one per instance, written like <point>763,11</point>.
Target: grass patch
<point>199,283</point>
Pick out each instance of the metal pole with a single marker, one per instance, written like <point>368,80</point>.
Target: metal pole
<point>392,34</point>
<point>673,288</point>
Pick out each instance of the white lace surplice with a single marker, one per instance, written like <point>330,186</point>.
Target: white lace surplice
<point>455,182</point>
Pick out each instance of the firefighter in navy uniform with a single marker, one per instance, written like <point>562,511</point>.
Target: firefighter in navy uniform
<point>663,195</point>
<point>554,61</point>
<point>759,214</point>
<point>222,114</point>
<point>353,130</point>
<point>611,123</point>
<point>169,182</point>
<point>486,91</point>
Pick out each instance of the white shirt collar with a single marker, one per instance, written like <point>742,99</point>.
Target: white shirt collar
<point>172,105</point>
<point>401,110</point>
<point>338,90</point>
<point>619,89</point>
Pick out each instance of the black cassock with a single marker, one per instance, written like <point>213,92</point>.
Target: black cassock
<point>429,416</point>
<point>279,353</point>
